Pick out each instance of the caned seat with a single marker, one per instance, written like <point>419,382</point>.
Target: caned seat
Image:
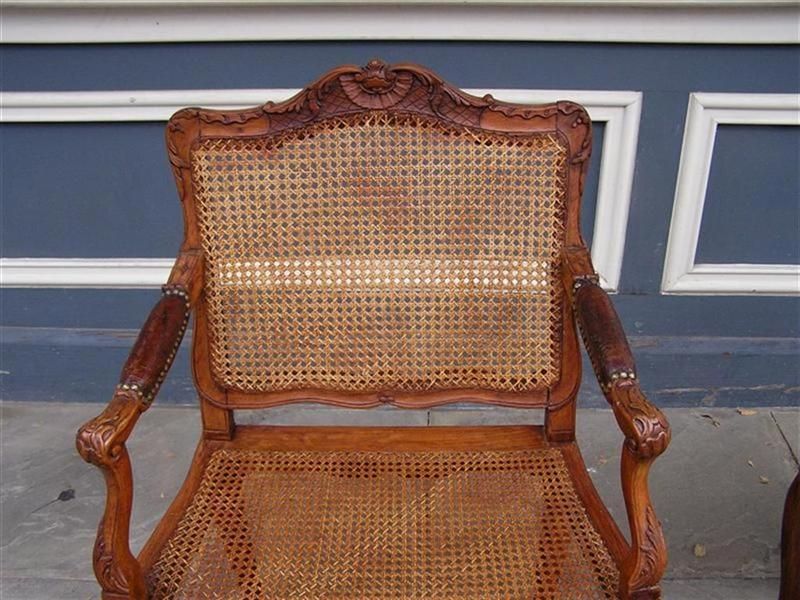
<point>383,238</point>
<point>493,513</point>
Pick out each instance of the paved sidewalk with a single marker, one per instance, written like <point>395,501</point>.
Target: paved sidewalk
<point>719,490</point>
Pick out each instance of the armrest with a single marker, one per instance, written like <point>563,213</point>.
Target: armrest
<point>646,430</point>
<point>158,342</point>
<point>149,361</point>
<point>101,441</point>
<point>645,427</point>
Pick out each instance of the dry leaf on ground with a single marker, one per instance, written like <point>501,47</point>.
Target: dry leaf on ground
<point>711,418</point>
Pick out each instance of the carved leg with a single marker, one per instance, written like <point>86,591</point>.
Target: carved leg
<point>115,567</point>
<point>641,572</point>
<point>100,441</point>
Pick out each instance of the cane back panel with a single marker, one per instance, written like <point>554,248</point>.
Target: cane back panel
<point>382,251</point>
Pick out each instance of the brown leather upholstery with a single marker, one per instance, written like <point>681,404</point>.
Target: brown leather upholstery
<point>602,333</point>
<point>157,343</point>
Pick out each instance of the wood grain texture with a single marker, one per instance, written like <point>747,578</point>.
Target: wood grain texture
<point>399,439</point>
<point>644,565</point>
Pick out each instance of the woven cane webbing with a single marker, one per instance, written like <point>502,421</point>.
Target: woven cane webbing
<point>382,251</point>
<point>383,525</point>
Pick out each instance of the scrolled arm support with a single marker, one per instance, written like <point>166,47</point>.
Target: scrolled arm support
<point>646,430</point>
<point>644,425</point>
<point>101,441</point>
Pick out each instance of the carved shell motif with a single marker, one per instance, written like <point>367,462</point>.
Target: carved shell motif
<point>376,86</point>
<point>348,88</point>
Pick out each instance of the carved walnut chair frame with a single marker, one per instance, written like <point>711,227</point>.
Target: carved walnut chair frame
<point>377,86</point>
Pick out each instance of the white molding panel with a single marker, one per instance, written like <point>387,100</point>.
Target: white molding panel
<point>619,111</point>
<point>84,272</point>
<point>681,274</point>
<point>641,21</point>
<point>136,105</point>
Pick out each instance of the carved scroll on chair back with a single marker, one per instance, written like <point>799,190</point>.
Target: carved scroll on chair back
<point>382,238</point>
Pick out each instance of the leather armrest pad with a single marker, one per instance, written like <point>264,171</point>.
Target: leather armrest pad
<point>603,334</point>
<point>157,344</point>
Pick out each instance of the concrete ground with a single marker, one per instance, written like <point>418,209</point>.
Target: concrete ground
<point>719,490</point>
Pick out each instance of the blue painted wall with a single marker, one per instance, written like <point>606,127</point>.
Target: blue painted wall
<point>752,209</point>
<point>102,190</point>
<point>88,190</point>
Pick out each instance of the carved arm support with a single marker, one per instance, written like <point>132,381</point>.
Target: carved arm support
<point>645,427</point>
<point>101,441</point>
<point>646,430</point>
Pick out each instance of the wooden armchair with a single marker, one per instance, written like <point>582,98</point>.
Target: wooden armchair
<point>383,238</point>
